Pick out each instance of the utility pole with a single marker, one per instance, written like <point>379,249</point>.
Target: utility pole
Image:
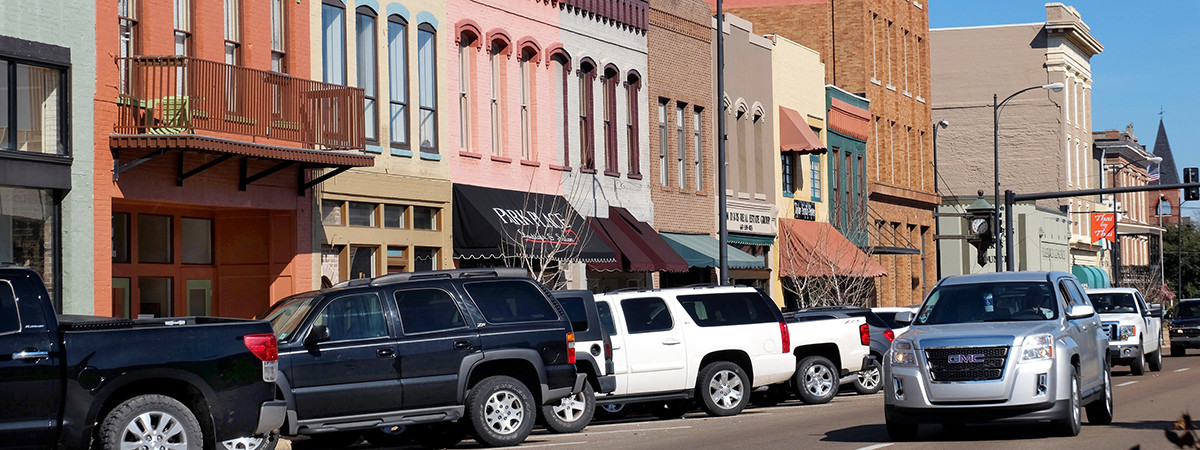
<point>722,209</point>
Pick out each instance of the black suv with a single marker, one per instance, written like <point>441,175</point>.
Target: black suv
<point>420,351</point>
<point>867,380</point>
<point>573,413</point>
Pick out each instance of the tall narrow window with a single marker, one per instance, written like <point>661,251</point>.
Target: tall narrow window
<point>465,71</point>
<point>697,149</point>
<point>527,87</point>
<point>333,42</point>
<point>587,131</point>
<point>835,177</point>
<point>680,146</point>
<point>905,43</point>
<point>890,76</point>
<point>495,56</point>
<point>364,20</point>
<point>562,77</point>
<point>610,121</point>
<point>814,164</point>
<point>127,21</point>
<point>663,135</point>
<point>427,76</point>
<point>398,80</point>
<point>278,50</point>
<point>788,176</point>
<point>233,31</point>
<point>874,47</point>
<point>633,103</point>
<point>183,27</point>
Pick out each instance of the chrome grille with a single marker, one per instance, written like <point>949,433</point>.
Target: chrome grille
<point>966,363</point>
<point>1110,329</point>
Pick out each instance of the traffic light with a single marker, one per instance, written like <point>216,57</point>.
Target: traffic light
<point>1191,175</point>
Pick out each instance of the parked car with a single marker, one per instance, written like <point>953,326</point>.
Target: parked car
<point>876,332</point>
<point>1134,328</point>
<point>1185,326</point>
<point>1010,346</point>
<point>66,380</point>
<point>714,344</point>
<point>888,314</point>
<point>440,353</point>
<point>574,413</point>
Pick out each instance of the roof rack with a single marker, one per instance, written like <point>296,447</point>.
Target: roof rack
<point>491,272</point>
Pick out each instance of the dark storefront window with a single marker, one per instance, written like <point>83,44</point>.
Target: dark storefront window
<point>425,218</point>
<point>362,214</point>
<point>120,225</point>
<point>425,258</point>
<point>197,241</point>
<point>28,230</point>
<point>154,239</point>
<point>362,262</point>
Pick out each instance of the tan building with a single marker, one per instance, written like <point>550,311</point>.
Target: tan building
<point>880,51</point>
<point>1045,139</point>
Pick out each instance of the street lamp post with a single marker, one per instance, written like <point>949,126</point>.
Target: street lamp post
<point>1116,262</point>
<point>937,224</point>
<point>1056,87</point>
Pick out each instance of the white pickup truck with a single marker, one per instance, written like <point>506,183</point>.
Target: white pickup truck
<point>1134,328</point>
<point>712,343</point>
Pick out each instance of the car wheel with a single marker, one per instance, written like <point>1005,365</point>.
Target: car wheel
<point>1138,365</point>
<point>723,388</point>
<point>572,413</point>
<point>670,410</point>
<point>501,410</point>
<point>816,380</point>
<point>1069,425</point>
<point>1100,411</point>
<point>439,435</point>
<point>868,380</point>
<point>389,437</point>
<point>336,439</point>
<point>901,431</point>
<point>774,395</point>
<point>612,411</point>
<point>150,421</point>
<point>1178,351</point>
<point>1154,360</point>
<point>260,442</point>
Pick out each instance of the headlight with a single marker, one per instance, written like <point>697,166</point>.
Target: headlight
<point>903,353</point>
<point>1037,347</point>
<point>1126,331</point>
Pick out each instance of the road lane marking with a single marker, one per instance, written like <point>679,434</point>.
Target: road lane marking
<point>1183,369</point>
<point>873,447</point>
<point>1127,383</point>
<point>555,444</point>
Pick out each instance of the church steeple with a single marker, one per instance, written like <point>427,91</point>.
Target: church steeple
<point>1168,174</point>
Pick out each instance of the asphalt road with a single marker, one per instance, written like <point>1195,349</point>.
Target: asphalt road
<point>1145,406</point>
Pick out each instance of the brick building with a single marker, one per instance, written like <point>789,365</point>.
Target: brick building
<point>1140,247</point>
<point>877,49</point>
<point>208,140</point>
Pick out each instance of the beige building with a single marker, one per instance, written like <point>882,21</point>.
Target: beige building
<point>1045,139</point>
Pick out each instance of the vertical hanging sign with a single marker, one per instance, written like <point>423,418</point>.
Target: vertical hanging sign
<point>1102,227</point>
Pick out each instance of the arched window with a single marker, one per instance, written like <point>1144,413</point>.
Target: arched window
<point>562,70</point>
<point>427,77</point>
<point>633,84</point>
<point>528,60</point>
<point>467,38</point>
<point>587,132</point>
<point>364,27</point>
<point>611,78</point>
<point>496,56</point>
<point>398,80</point>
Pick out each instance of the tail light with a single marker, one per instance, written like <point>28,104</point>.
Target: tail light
<point>608,350</point>
<point>570,347</point>
<point>890,335</point>
<point>785,336</point>
<point>864,333</point>
<point>266,348</point>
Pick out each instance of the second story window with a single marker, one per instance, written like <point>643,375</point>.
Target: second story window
<point>697,149</point>
<point>466,69</point>
<point>427,77</point>
<point>681,146</point>
<point>610,121</point>
<point>233,31</point>
<point>398,80</point>
<point>183,27</point>
<point>561,82</point>
<point>814,164</point>
<point>663,135</point>
<point>278,37</point>
<point>527,86</point>
<point>788,174</point>
<point>364,21</point>
<point>333,42</point>
<point>127,21</point>
<point>496,104</point>
<point>633,84</point>
<point>32,109</point>
<point>587,131</point>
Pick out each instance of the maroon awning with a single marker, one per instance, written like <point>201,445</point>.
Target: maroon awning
<point>639,248</point>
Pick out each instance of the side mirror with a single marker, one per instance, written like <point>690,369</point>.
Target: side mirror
<point>316,335</point>
<point>904,318</point>
<point>1156,310</point>
<point>1081,311</point>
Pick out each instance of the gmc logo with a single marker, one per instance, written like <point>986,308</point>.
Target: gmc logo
<point>964,359</point>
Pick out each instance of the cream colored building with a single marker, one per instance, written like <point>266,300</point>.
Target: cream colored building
<point>1045,141</point>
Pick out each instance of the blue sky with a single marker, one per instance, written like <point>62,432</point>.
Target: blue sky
<point>1150,61</point>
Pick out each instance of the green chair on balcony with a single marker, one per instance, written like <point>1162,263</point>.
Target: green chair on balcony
<point>176,116</point>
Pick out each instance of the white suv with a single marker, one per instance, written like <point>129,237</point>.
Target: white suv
<point>715,343</point>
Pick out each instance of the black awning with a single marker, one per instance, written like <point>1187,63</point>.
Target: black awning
<point>499,223</point>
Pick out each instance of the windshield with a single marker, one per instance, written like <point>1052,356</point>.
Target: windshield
<point>285,316</point>
<point>1188,310</point>
<point>1114,302</point>
<point>989,302</point>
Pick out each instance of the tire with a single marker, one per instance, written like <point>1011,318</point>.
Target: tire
<point>723,388</point>
<point>259,442</point>
<point>1154,360</point>
<point>571,414</point>
<point>612,411</point>
<point>869,379</point>
<point>501,410</point>
<point>1100,411</point>
<point>125,425</point>
<point>391,437</point>
<point>336,439</point>
<point>1070,425</point>
<point>1138,365</point>
<point>901,431</point>
<point>775,394</point>
<point>816,380</point>
<point>439,435</point>
<point>670,410</point>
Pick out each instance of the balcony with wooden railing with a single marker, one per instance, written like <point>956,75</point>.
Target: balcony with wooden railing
<point>173,95</point>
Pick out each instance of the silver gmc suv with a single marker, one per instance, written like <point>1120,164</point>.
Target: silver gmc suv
<point>1015,346</point>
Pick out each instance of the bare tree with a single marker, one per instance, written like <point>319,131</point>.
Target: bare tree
<point>826,269</point>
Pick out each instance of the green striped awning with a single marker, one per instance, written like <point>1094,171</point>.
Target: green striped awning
<point>702,250</point>
<point>750,239</point>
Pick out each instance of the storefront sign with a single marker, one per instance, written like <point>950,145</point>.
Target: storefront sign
<point>805,210</point>
<point>752,218</point>
<point>1102,226</point>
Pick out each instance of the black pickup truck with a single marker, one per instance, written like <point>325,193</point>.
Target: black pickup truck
<point>185,382</point>
<point>420,351</point>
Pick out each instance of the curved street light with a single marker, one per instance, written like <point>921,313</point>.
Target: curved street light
<point>1056,87</point>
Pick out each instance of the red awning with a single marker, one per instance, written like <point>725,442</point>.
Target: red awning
<point>816,249</point>
<point>639,248</point>
<point>795,135</point>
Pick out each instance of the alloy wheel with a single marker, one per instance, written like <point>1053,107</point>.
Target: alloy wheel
<point>726,389</point>
<point>818,380</point>
<point>504,412</point>
<point>154,429</point>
